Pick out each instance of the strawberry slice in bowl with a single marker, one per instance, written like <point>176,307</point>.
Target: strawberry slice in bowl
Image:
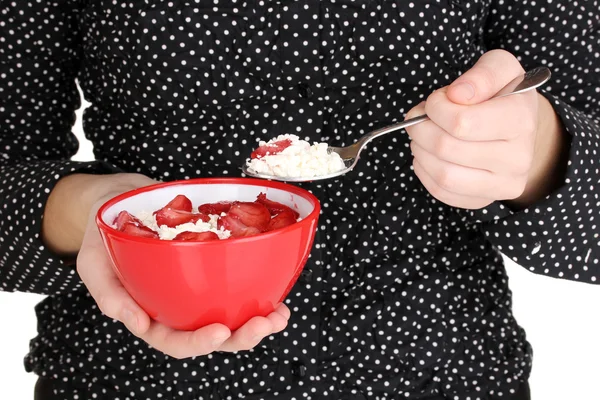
<point>281,220</point>
<point>251,214</point>
<point>215,208</point>
<point>274,207</point>
<point>179,203</point>
<point>236,227</point>
<point>197,236</point>
<point>140,231</point>
<point>125,218</point>
<point>173,218</point>
<point>178,211</point>
<point>129,224</point>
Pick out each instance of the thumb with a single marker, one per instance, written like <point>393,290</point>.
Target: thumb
<point>96,272</point>
<point>492,72</point>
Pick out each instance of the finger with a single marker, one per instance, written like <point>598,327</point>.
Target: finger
<point>249,335</point>
<point>446,197</point>
<point>278,321</point>
<point>95,270</point>
<point>502,118</point>
<point>183,344</point>
<point>417,110</point>
<point>283,310</point>
<point>468,181</point>
<point>492,72</point>
<point>505,157</point>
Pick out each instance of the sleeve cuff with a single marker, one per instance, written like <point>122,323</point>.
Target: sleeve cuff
<point>26,264</point>
<point>557,236</point>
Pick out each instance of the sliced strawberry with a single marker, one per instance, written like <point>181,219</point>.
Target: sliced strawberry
<point>273,206</point>
<point>251,214</point>
<point>236,227</point>
<point>131,228</point>
<point>179,203</point>
<point>197,236</point>
<point>172,218</point>
<point>177,211</point>
<point>124,218</point>
<point>283,219</point>
<point>215,208</point>
<point>271,148</point>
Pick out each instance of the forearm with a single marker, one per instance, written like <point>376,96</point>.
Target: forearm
<point>550,164</point>
<point>68,207</point>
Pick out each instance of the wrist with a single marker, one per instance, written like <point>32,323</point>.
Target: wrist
<point>68,208</point>
<point>551,156</point>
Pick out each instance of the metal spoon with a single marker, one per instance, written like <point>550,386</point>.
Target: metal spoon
<point>350,154</point>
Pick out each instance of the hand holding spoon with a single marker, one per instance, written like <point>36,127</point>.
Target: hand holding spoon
<point>350,154</point>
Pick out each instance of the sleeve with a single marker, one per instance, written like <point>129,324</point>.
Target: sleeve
<point>560,235</point>
<point>39,51</point>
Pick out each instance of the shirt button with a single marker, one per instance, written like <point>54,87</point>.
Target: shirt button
<point>306,275</point>
<point>304,91</point>
<point>299,370</point>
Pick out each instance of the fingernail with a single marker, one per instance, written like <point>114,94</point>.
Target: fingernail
<point>464,90</point>
<point>284,313</point>
<point>130,320</point>
<point>219,340</point>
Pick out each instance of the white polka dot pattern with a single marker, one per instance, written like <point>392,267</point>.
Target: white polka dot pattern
<point>403,297</point>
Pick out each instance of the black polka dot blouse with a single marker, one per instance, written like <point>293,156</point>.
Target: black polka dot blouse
<point>403,297</point>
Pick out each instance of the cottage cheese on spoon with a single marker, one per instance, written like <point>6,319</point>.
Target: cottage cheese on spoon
<point>288,156</point>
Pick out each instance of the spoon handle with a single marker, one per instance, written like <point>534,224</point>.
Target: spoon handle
<point>530,80</point>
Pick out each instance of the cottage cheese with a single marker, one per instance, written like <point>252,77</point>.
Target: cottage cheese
<point>166,233</point>
<point>299,160</point>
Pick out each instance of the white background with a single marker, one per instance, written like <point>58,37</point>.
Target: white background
<point>562,321</point>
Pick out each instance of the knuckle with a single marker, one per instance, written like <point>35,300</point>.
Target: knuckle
<point>522,165</point>
<point>443,197</point>
<point>244,346</point>
<point>462,124</point>
<point>442,147</point>
<point>479,204</point>
<point>517,188</point>
<point>80,262</point>
<point>104,307</point>
<point>508,59</point>
<point>437,192</point>
<point>249,345</point>
<point>433,100</point>
<point>501,52</point>
<point>178,355</point>
<point>414,131</point>
<point>415,111</point>
<point>445,180</point>
<point>487,77</point>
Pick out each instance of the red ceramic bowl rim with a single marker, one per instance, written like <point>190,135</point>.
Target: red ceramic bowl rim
<point>209,181</point>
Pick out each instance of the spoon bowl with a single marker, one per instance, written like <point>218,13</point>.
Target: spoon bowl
<point>351,154</point>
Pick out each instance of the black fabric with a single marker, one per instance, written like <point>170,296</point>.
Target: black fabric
<point>45,389</point>
<point>404,297</point>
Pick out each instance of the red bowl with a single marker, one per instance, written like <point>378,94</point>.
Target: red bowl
<point>187,285</point>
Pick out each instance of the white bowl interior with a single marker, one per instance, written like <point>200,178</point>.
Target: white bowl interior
<point>205,193</point>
